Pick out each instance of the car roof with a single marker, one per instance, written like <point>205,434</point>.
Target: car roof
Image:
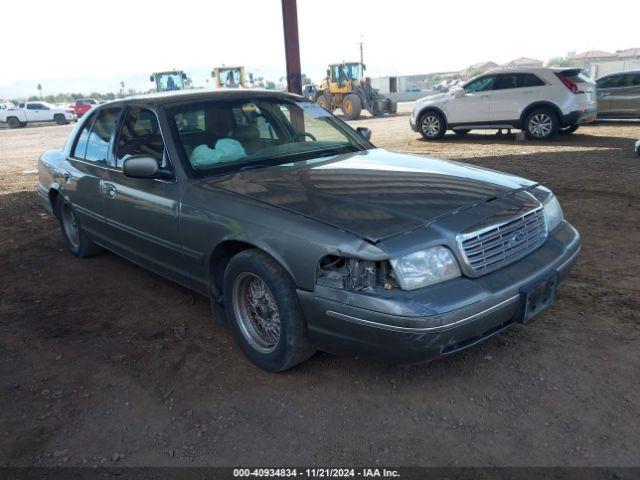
<point>173,97</point>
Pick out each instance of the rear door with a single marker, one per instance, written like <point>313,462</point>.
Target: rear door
<point>473,106</point>
<point>606,87</point>
<point>624,99</point>
<point>511,94</point>
<point>142,215</point>
<point>85,167</point>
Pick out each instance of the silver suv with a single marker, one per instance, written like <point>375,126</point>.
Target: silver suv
<point>619,95</point>
<point>540,101</point>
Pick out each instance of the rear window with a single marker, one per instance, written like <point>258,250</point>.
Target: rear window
<point>575,75</point>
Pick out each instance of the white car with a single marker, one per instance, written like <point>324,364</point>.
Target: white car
<point>12,116</point>
<point>540,101</point>
<point>45,112</point>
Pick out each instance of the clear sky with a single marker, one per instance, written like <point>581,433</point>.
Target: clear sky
<point>49,41</point>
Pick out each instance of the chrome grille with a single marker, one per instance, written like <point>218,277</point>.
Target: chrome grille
<point>493,247</point>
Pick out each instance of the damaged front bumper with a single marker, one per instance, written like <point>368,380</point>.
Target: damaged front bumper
<point>435,321</point>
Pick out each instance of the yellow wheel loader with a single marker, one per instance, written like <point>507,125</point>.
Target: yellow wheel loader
<point>345,87</point>
<point>229,77</point>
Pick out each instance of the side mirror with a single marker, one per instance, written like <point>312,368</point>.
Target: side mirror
<point>141,166</point>
<point>458,92</point>
<point>152,78</point>
<point>365,132</point>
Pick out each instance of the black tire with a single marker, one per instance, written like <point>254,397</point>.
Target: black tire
<point>325,102</point>
<point>462,132</point>
<point>351,106</point>
<point>13,122</point>
<point>59,119</point>
<point>393,106</point>
<point>541,124</point>
<point>79,244</point>
<point>568,130</point>
<point>292,346</point>
<point>432,125</point>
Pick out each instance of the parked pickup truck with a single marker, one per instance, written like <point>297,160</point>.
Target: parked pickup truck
<point>12,116</point>
<point>83,105</point>
<point>45,112</point>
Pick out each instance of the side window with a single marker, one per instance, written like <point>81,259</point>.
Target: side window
<point>506,81</point>
<point>33,106</point>
<point>100,136</point>
<point>531,80</point>
<point>140,135</point>
<point>80,146</point>
<point>611,81</point>
<point>630,80</point>
<point>481,84</point>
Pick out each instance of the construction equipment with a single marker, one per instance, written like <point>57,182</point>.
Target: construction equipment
<point>345,87</point>
<point>170,80</point>
<point>230,77</point>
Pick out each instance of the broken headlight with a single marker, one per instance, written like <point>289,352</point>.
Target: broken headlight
<point>425,267</point>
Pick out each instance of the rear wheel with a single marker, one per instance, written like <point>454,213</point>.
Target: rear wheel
<point>432,125</point>
<point>60,119</point>
<point>13,122</point>
<point>541,124</point>
<point>76,239</point>
<point>325,102</point>
<point>351,106</point>
<point>568,130</point>
<point>263,311</point>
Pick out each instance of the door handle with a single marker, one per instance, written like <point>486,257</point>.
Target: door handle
<point>109,190</point>
<point>605,94</point>
<point>485,96</point>
<point>67,177</point>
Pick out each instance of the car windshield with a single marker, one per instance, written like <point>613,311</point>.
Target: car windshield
<point>220,136</point>
<point>169,81</point>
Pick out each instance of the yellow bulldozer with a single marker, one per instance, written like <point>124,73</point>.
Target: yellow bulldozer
<point>346,87</point>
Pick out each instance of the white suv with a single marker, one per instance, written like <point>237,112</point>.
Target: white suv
<point>540,101</point>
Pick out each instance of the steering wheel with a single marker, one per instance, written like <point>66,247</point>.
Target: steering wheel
<point>302,135</point>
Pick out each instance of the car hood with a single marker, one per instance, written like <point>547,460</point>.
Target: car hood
<point>438,97</point>
<point>374,194</point>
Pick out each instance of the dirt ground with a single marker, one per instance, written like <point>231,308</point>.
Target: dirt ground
<point>103,363</point>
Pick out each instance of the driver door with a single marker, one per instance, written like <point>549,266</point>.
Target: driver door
<point>142,215</point>
<point>36,112</point>
<point>474,106</point>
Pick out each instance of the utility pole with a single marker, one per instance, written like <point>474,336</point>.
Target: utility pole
<point>292,46</point>
<point>361,43</point>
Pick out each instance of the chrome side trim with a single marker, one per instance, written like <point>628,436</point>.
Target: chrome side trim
<point>396,328</point>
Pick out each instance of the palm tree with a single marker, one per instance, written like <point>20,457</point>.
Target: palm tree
<point>39,87</point>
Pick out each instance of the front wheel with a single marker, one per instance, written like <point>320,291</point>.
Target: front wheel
<point>568,130</point>
<point>13,122</point>
<point>541,124</point>
<point>264,314</point>
<point>351,106</point>
<point>432,125</point>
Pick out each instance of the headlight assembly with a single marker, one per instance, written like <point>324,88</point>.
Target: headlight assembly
<point>552,212</point>
<point>425,267</point>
